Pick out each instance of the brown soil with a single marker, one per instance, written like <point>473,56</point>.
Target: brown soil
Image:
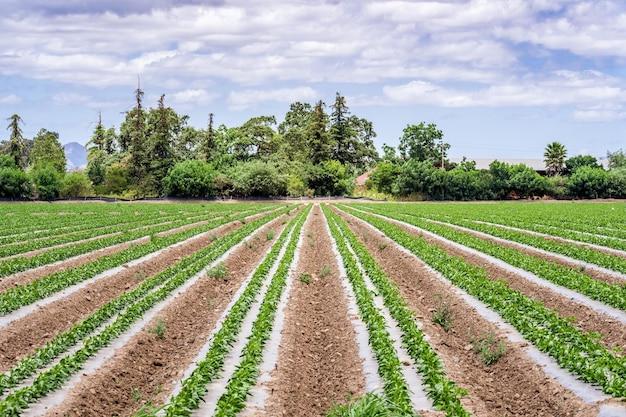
<point>612,331</point>
<point>25,277</point>
<point>23,336</point>
<point>147,366</point>
<point>594,273</point>
<point>514,385</point>
<point>318,363</point>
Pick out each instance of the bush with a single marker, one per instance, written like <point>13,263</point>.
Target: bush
<point>258,179</point>
<point>296,186</point>
<point>330,178</point>
<point>588,182</point>
<point>526,182</point>
<point>115,179</point>
<point>383,177</point>
<point>6,161</point>
<point>579,161</point>
<point>616,187</point>
<point>190,179</point>
<point>47,181</point>
<point>557,186</point>
<point>76,184</point>
<point>14,183</point>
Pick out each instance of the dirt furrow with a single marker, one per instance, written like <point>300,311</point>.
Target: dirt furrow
<point>612,331</point>
<point>594,272</point>
<point>23,336</point>
<point>512,386</point>
<point>318,363</point>
<point>146,368</point>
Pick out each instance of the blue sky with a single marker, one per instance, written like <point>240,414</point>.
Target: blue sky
<point>501,77</point>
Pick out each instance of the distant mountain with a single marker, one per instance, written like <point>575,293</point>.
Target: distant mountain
<point>76,156</point>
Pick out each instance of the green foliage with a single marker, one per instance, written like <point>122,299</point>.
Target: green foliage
<point>116,178</point>
<point>575,162</point>
<point>617,159</point>
<point>330,178</point>
<point>7,161</point>
<point>47,151</point>
<point>325,271</point>
<point>369,405</point>
<point>218,272</point>
<point>588,182</point>
<point>190,179</point>
<point>526,182</point>
<point>14,183</point>
<point>423,142</point>
<point>47,181</point>
<point>17,145</point>
<point>383,177</point>
<point>258,179</point>
<point>75,184</point>
<point>296,186</point>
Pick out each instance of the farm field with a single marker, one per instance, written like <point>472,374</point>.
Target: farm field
<point>341,308</point>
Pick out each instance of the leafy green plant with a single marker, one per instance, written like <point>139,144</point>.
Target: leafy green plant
<point>270,235</point>
<point>218,272</point>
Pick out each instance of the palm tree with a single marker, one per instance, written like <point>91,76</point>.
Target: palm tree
<point>554,157</point>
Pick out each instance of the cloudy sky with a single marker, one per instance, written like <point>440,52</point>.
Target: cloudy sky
<point>500,77</point>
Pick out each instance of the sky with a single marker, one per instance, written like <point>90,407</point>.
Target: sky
<point>501,78</point>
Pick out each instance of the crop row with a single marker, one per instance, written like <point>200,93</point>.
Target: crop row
<point>583,237</point>
<point>575,251</point>
<point>573,349</point>
<point>442,391</point>
<point>64,341</point>
<point>389,366</point>
<point>245,376</point>
<point>195,386</point>
<point>55,376</point>
<point>611,294</point>
<point>19,264</point>
<point>22,245</point>
<point>22,295</point>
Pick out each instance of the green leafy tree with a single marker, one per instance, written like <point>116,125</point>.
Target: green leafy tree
<point>17,145</point>
<point>14,182</point>
<point>47,150</point>
<point>554,158</point>
<point>320,144</point>
<point>133,139</point>
<point>255,138</point>
<point>47,181</point>
<point>294,129</point>
<point>423,142</point>
<point>575,162</point>
<point>163,127</point>
<point>361,150</point>
<point>616,159</point>
<point>191,179</point>
<point>75,184</point>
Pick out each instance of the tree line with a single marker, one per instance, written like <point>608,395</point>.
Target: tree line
<point>316,150</point>
<point>420,169</point>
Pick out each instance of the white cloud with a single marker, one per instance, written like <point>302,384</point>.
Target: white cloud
<point>193,96</point>
<point>247,98</point>
<point>10,99</point>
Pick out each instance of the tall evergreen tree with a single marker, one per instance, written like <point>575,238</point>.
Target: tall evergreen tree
<point>133,138</point>
<point>319,140</point>
<point>340,129</point>
<point>208,143</point>
<point>96,143</point>
<point>17,145</point>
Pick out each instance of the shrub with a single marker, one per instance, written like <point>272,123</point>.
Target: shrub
<point>526,182</point>
<point>258,179</point>
<point>296,186</point>
<point>190,179</point>
<point>588,182</point>
<point>14,183</point>
<point>616,183</point>
<point>47,182</point>
<point>6,161</point>
<point>383,177</point>
<point>116,179</point>
<point>76,184</point>
<point>330,178</point>
<point>579,161</point>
